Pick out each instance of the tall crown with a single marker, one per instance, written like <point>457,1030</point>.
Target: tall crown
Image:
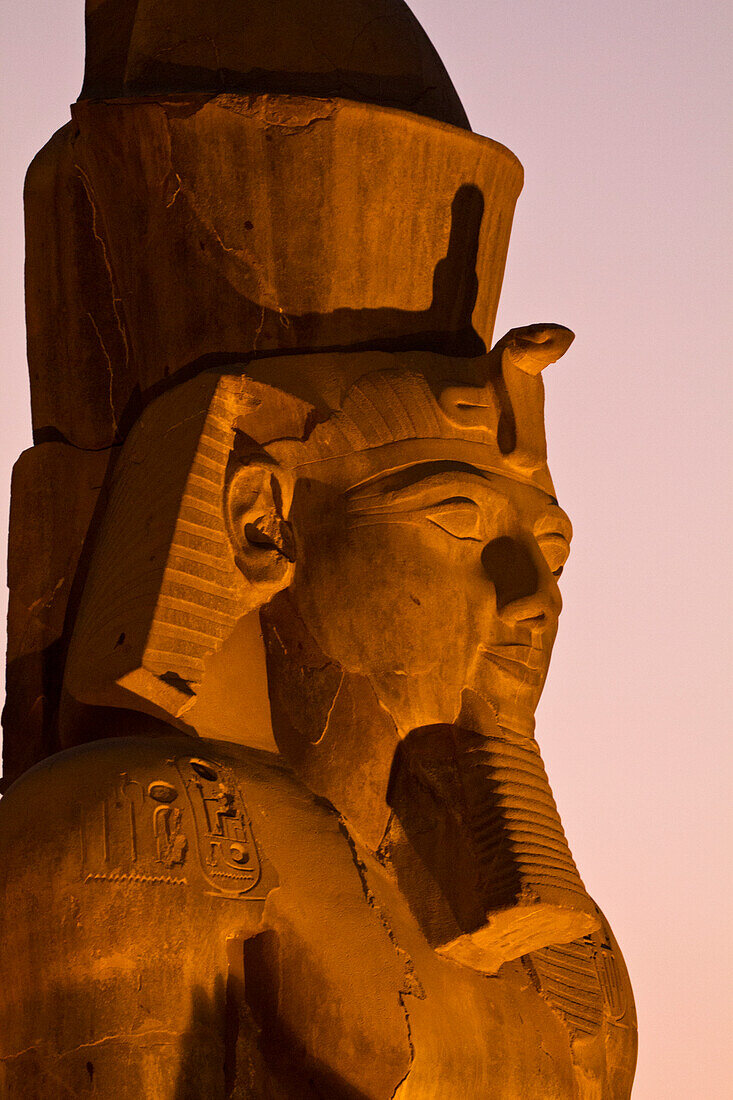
<point>241,179</point>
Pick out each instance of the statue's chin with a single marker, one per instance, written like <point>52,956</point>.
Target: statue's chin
<point>490,715</point>
<point>515,715</point>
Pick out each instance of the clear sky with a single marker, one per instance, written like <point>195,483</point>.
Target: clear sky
<point>623,232</point>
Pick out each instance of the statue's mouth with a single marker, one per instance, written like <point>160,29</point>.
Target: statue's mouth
<point>525,662</point>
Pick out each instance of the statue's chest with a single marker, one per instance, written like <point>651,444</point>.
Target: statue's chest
<point>355,991</point>
<point>404,1024</point>
<point>350,1000</point>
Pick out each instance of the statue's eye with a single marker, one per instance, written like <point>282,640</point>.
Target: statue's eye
<point>460,518</point>
<point>555,549</point>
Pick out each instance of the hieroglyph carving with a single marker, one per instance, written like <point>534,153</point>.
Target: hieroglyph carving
<point>147,831</point>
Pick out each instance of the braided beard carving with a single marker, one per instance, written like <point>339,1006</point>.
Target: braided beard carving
<point>478,847</point>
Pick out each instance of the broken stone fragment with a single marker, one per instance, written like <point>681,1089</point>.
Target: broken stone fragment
<point>55,491</point>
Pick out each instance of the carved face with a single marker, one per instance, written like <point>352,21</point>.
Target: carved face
<point>431,580</point>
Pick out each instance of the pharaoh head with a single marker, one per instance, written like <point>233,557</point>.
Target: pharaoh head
<point>396,531</point>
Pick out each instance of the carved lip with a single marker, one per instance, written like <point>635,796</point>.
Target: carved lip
<point>516,659</point>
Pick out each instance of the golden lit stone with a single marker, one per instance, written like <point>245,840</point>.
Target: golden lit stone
<point>284,589</point>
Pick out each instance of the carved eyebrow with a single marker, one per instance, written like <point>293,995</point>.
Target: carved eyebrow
<point>421,485</point>
<point>418,487</point>
<point>406,476</point>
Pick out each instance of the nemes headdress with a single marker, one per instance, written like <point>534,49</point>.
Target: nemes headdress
<point>144,632</point>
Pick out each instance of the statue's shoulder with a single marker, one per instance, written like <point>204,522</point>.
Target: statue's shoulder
<point>135,870</point>
<point>162,809</point>
<point>587,985</point>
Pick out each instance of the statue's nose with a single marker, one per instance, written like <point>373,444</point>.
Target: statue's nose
<point>525,588</point>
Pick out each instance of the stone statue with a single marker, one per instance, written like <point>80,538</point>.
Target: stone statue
<point>284,571</point>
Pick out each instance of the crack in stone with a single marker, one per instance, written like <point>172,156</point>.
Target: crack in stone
<point>38,1046</point>
<point>331,708</point>
<point>176,193</point>
<point>180,423</point>
<point>261,325</point>
<point>243,255</point>
<point>110,371</point>
<point>157,1031</point>
<point>398,1086</point>
<point>45,601</point>
<point>116,300</point>
<point>402,955</point>
<point>257,106</point>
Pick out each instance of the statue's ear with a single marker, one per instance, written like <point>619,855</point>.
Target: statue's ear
<point>256,501</point>
<point>201,528</point>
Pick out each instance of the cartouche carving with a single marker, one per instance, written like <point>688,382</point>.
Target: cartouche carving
<point>226,847</point>
<point>301,843</point>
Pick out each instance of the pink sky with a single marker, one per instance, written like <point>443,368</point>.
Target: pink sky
<point>622,233</point>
